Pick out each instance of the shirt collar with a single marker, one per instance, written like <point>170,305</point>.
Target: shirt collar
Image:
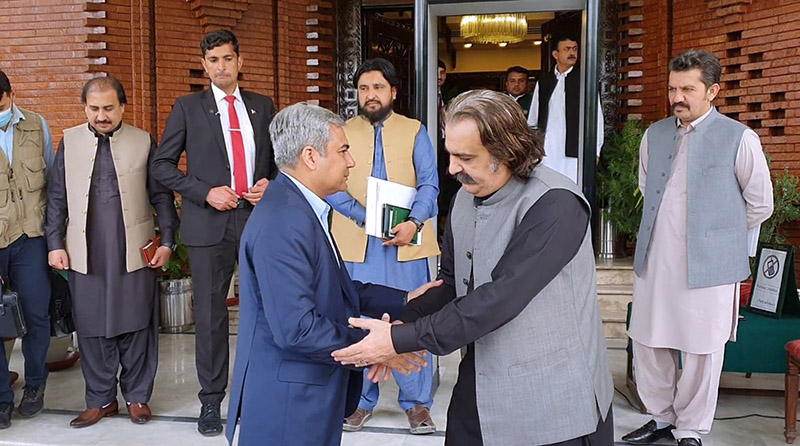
<point>16,116</point>
<point>320,206</point>
<point>516,97</point>
<point>696,122</point>
<point>564,74</point>
<point>219,95</point>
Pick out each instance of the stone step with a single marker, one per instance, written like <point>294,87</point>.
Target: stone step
<point>614,297</point>
<point>617,343</point>
<point>614,272</point>
<point>614,324</point>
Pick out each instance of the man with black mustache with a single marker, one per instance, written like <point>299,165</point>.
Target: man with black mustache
<point>706,188</point>
<point>100,203</point>
<point>388,146</point>
<point>555,109</point>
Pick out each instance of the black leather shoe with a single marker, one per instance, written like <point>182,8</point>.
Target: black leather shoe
<point>648,434</point>
<point>32,402</point>
<point>690,442</point>
<point>210,421</point>
<point>5,415</point>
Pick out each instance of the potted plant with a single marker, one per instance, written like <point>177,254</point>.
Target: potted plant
<point>175,283</point>
<point>618,180</point>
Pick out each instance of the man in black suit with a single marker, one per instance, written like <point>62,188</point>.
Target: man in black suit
<point>229,162</point>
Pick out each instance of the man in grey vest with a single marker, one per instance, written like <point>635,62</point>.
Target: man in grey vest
<point>26,155</point>
<point>706,190</point>
<point>101,198</point>
<point>519,292</point>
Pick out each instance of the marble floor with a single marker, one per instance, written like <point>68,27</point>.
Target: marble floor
<point>175,405</point>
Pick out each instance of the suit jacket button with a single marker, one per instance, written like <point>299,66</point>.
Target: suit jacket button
<point>469,255</point>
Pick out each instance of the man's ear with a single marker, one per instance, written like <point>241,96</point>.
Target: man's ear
<point>308,156</point>
<point>713,91</point>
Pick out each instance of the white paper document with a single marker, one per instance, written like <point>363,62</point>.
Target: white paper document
<point>379,193</point>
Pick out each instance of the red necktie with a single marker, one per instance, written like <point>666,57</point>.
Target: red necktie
<point>239,164</point>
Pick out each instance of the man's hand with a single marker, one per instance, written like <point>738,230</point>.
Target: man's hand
<point>403,233</point>
<point>222,198</point>
<point>375,348</point>
<point>256,192</point>
<point>405,363</point>
<point>424,289</point>
<point>161,257</point>
<point>58,259</point>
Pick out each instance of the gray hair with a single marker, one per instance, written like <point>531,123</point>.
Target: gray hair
<point>702,60</point>
<point>298,126</point>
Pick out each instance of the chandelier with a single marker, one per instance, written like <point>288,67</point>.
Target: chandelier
<point>494,28</point>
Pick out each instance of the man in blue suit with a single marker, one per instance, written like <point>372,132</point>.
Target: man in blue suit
<point>296,296</point>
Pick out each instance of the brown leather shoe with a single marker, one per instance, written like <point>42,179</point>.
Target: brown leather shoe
<point>139,412</point>
<point>92,416</point>
<point>355,422</point>
<point>420,421</point>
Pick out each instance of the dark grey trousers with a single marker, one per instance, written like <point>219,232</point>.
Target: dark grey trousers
<point>212,270</point>
<point>101,358</point>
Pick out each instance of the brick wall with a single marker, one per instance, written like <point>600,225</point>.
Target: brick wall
<point>153,47</point>
<point>46,56</point>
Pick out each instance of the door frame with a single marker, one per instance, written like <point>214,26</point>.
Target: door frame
<point>426,14</point>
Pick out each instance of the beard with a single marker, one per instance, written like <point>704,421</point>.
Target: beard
<point>377,115</point>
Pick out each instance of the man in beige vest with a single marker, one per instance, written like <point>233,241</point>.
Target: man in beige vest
<point>27,149</point>
<point>391,147</point>
<point>100,214</point>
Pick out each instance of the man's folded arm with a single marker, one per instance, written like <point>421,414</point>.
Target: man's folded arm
<point>546,240</point>
<point>285,276</point>
<point>164,164</point>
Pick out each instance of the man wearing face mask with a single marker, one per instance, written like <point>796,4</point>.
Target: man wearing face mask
<point>391,147</point>
<point>706,189</point>
<point>555,109</point>
<point>99,216</point>
<point>27,154</point>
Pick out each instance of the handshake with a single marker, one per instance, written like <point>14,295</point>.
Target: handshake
<point>377,351</point>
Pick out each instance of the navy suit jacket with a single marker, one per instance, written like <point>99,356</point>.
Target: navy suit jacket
<point>294,303</point>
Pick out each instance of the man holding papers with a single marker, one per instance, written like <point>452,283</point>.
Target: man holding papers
<point>395,149</point>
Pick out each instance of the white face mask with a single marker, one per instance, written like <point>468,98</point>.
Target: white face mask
<point>5,117</point>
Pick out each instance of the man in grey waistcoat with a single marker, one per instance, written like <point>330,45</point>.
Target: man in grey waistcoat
<point>706,190</point>
<point>519,292</point>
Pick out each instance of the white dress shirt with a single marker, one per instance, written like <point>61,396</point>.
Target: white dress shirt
<point>555,138</point>
<point>246,129</point>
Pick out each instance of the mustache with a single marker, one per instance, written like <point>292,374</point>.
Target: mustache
<point>463,178</point>
<point>680,104</point>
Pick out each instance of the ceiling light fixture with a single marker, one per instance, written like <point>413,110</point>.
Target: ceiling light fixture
<point>494,28</point>
<point>502,44</point>
<point>467,45</point>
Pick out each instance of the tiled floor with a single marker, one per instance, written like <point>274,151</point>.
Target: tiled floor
<point>175,404</point>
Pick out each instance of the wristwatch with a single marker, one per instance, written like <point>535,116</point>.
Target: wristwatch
<point>418,223</point>
<point>172,247</point>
